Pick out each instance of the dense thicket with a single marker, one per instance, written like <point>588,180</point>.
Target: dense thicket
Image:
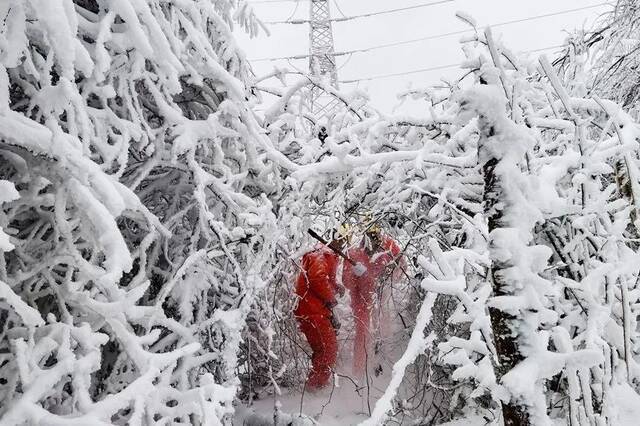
<point>150,223</point>
<point>515,199</point>
<point>138,216</point>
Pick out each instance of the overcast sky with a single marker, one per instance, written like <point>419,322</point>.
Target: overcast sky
<point>437,19</point>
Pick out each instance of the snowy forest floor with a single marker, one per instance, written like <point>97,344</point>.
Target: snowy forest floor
<point>339,405</point>
<point>343,405</point>
<point>347,401</point>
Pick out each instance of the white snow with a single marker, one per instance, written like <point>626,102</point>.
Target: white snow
<point>30,317</point>
<point>7,193</point>
<point>625,403</point>
<point>151,220</point>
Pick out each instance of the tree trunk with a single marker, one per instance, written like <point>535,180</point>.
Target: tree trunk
<point>502,323</point>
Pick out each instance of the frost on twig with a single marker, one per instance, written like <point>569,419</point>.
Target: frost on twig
<point>126,132</point>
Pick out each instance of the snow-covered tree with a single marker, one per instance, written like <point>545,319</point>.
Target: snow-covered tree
<point>151,223</point>
<point>516,199</point>
<point>610,52</point>
<point>549,162</point>
<point>137,213</point>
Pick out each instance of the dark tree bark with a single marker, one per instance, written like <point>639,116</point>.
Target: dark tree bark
<point>502,323</point>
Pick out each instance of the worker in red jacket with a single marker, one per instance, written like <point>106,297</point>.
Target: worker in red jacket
<point>376,259</point>
<point>316,288</point>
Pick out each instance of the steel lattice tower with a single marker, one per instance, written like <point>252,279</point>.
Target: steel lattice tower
<point>321,61</point>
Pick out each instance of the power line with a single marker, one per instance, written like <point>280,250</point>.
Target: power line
<point>364,15</point>
<point>295,9</point>
<point>439,67</point>
<point>339,8</point>
<point>378,77</point>
<point>452,33</point>
<point>438,36</point>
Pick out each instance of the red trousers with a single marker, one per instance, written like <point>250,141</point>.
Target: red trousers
<point>323,341</point>
<point>361,305</point>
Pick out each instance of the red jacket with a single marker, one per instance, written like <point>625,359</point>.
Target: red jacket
<point>376,265</point>
<point>316,284</point>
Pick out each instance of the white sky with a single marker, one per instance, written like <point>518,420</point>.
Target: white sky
<point>361,33</point>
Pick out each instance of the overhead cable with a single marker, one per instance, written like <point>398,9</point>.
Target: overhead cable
<point>439,67</point>
<point>339,8</point>
<point>435,36</point>
<point>364,15</point>
<point>295,9</point>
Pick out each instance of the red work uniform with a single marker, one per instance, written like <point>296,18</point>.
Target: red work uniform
<point>316,288</point>
<point>363,289</point>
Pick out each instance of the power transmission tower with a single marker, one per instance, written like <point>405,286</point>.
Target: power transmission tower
<point>322,63</point>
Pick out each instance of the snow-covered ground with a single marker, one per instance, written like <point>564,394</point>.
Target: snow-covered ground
<point>340,405</point>
<point>348,402</point>
<point>627,405</point>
